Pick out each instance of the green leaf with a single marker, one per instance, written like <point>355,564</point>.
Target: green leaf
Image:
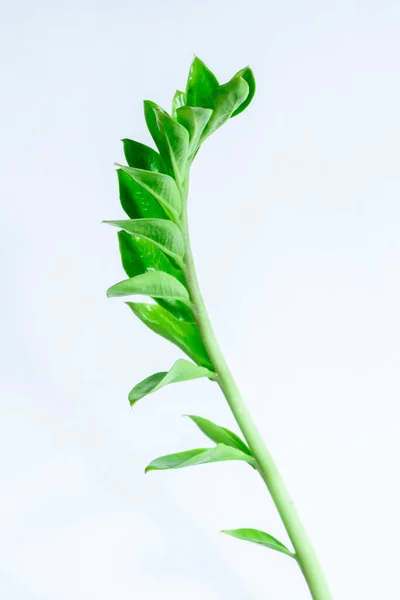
<point>195,120</point>
<point>227,98</point>
<point>164,234</point>
<point>171,139</point>
<point>220,435</point>
<point>184,335</point>
<point>198,456</point>
<point>136,201</point>
<point>259,537</point>
<point>178,100</point>
<point>177,139</point>
<point>200,85</point>
<point>141,156</point>
<point>182,370</point>
<point>156,284</point>
<point>161,187</point>
<point>180,310</point>
<point>248,75</point>
<point>139,256</point>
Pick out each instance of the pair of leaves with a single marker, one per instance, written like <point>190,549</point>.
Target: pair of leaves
<point>163,285</point>
<point>204,91</point>
<point>202,85</point>
<point>183,370</point>
<point>140,255</point>
<point>229,447</point>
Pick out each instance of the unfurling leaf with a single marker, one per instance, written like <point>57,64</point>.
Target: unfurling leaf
<point>161,187</point>
<point>136,201</point>
<point>178,100</point>
<point>200,85</point>
<point>227,98</point>
<point>259,537</point>
<point>199,456</point>
<point>171,139</point>
<point>220,435</point>
<point>156,284</point>
<point>182,370</point>
<point>164,234</point>
<point>141,156</point>
<point>248,75</point>
<point>195,120</point>
<point>184,335</point>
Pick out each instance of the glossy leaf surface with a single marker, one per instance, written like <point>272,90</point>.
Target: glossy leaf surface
<point>141,156</point>
<point>160,186</point>
<point>178,100</point>
<point>164,234</point>
<point>136,201</point>
<point>139,255</point>
<point>182,370</point>
<point>200,85</point>
<point>220,435</point>
<point>259,537</point>
<point>156,284</point>
<point>184,335</point>
<point>199,456</point>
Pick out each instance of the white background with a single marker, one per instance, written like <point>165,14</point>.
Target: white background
<point>295,221</point>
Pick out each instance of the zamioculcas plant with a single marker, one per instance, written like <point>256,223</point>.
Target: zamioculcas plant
<point>157,257</point>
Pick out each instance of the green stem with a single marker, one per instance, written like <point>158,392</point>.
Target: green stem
<point>267,468</point>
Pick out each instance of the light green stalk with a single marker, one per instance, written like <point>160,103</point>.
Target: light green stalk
<point>304,552</point>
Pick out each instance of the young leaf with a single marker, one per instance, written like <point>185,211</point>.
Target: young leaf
<point>143,157</point>
<point>195,120</point>
<point>200,85</point>
<point>199,456</point>
<point>164,234</point>
<point>136,201</point>
<point>181,370</point>
<point>171,138</point>
<point>156,284</point>
<point>161,187</point>
<point>178,100</point>
<point>248,75</point>
<point>227,98</point>
<point>184,335</point>
<point>220,435</point>
<point>259,537</point>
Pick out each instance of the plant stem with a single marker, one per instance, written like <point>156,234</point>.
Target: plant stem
<point>267,468</point>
